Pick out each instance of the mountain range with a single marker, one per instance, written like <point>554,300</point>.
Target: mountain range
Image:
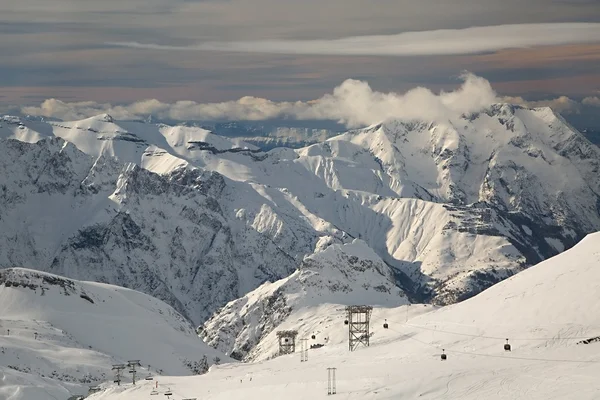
<point>198,220</point>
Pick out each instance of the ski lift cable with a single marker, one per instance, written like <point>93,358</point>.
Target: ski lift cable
<point>499,356</point>
<point>488,337</point>
<point>497,337</point>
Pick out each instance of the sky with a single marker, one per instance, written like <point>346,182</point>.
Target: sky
<point>123,52</point>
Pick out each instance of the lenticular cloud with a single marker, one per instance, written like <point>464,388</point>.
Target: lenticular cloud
<point>438,42</point>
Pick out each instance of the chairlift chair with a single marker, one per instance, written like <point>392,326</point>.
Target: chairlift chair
<point>506,346</point>
<point>153,393</point>
<point>443,356</point>
<point>149,378</point>
<point>385,324</point>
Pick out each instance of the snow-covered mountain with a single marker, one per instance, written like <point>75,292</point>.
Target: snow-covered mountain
<point>451,206</point>
<point>337,274</point>
<point>550,313</point>
<point>58,336</point>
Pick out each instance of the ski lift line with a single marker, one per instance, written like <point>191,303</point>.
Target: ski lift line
<point>497,337</point>
<point>499,356</point>
<point>485,336</point>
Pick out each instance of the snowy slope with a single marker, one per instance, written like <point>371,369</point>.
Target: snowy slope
<point>69,333</point>
<point>336,275</point>
<point>545,311</point>
<point>65,212</point>
<point>451,206</point>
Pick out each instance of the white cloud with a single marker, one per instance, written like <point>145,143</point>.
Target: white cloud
<point>437,42</point>
<point>593,101</point>
<point>562,104</point>
<point>353,103</point>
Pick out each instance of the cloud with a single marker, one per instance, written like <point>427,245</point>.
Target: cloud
<point>353,103</point>
<point>562,104</point>
<point>591,101</point>
<point>437,42</point>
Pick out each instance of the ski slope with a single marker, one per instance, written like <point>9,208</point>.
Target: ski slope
<point>544,311</point>
<point>57,335</point>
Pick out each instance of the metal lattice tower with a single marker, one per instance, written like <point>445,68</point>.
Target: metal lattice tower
<point>118,368</point>
<point>303,350</point>
<point>287,341</point>
<point>132,364</point>
<point>358,325</point>
<point>331,387</point>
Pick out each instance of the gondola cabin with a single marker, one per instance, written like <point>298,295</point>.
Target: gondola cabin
<point>346,322</point>
<point>313,337</point>
<point>385,325</point>
<point>506,346</point>
<point>443,356</point>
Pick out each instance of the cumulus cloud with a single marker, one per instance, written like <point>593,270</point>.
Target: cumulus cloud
<point>593,101</point>
<point>436,42</point>
<point>353,103</point>
<point>562,104</point>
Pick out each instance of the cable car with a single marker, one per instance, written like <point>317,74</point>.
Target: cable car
<point>385,324</point>
<point>443,356</point>
<point>313,337</point>
<point>507,346</point>
<point>346,322</point>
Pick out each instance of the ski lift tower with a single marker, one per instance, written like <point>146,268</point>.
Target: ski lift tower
<point>358,325</point>
<point>287,342</point>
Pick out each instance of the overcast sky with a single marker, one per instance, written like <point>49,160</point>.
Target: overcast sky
<point>122,51</point>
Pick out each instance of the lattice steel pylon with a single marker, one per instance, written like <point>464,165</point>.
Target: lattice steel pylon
<point>358,325</point>
<point>287,341</point>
